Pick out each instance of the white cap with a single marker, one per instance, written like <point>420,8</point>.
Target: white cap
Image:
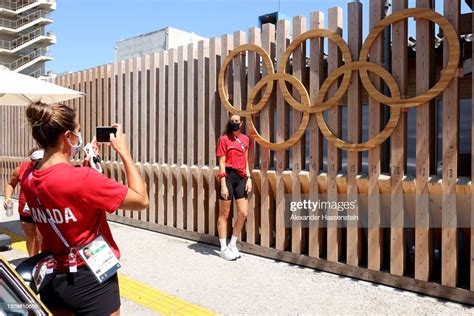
<point>37,154</point>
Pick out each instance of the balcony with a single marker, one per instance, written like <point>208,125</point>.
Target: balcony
<point>38,17</point>
<point>25,61</point>
<point>25,40</point>
<point>14,8</point>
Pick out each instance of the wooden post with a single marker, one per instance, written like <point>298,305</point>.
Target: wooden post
<point>153,144</point>
<point>375,239</point>
<point>145,116</point>
<point>424,64</point>
<point>201,99</point>
<point>180,219</point>
<point>214,104</point>
<point>298,157</point>
<point>134,133</point>
<point>398,146</point>
<point>170,140</point>
<point>253,219</point>
<point>334,240</point>
<point>283,28</point>
<point>267,214</point>
<point>354,127</point>
<point>163,57</point>
<point>190,105</point>
<point>449,249</point>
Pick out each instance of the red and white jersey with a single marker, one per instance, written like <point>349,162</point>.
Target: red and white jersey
<point>234,149</point>
<point>75,199</point>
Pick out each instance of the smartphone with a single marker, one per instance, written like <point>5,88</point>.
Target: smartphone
<point>102,133</point>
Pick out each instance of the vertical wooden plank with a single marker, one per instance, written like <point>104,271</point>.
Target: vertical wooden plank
<point>94,81</point>
<point>334,240</point>
<point>201,77</point>
<point>163,57</point>
<point>449,265</point>
<point>144,130</point>
<point>227,45</point>
<point>239,87</point>
<point>253,75</point>
<point>107,104</point>
<point>118,71</point>
<point>82,102</point>
<point>113,103</point>
<point>152,117</point>
<point>170,135</point>
<point>266,215</point>
<point>299,67</point>
<point>127,111</point>
<point>354,127</point>
<point>100,95</point>
<point>375,238</point>
<point>214,105</point>
<point>190,104</point>
<point>126,105</point>
<point>424,64</point>
<point>162,106</point>
<point>180,219</point>
<point>283,27</point>
<point>135,111</point>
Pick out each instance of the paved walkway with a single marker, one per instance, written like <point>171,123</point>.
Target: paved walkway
<point>167,275</point>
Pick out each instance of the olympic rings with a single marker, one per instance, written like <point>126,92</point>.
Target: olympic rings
<point>363,66</point>
<point>394,111</point>
<point>304,122</point>
<point>446,74</point>
<point>222,74</point>
<point>320,106</point>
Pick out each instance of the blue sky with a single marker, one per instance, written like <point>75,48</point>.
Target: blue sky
<point>87,30</point>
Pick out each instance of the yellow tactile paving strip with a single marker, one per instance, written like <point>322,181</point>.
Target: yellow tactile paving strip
<point>137,292</point>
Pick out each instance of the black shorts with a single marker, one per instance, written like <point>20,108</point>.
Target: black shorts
<point>235,184</point>
<point>26,219</point>
<point>82,294</point>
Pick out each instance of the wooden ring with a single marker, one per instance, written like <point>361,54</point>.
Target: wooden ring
<point>223,72</point>
<point>446,74</point>
<point>394,110</point>
<point>304,122</point>
<point>346,55</point>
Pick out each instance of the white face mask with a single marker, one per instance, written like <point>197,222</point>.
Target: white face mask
<point>75,149</point>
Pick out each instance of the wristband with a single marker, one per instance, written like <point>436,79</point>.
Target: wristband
<point>221,175</point>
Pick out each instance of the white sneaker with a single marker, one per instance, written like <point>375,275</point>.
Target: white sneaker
<point>235,251</point>
<point>227,254</point>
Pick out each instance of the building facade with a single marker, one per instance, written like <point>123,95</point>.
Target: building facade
<point>154,42</point>
<point>24,40</point>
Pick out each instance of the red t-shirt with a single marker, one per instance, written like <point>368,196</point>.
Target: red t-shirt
<point>76,199</point>
<point>21,199</point>
<point>234,152</point>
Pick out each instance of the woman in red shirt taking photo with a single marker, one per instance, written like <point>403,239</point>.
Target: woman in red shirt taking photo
<point>235,181</point>
<point>69,206</point>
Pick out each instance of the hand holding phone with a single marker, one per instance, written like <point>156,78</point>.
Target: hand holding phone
<point>103,133</point>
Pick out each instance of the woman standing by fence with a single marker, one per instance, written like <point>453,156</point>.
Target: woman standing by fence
<point>235,181</point>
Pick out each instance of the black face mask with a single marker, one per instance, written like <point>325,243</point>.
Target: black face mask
<point>234,126</point>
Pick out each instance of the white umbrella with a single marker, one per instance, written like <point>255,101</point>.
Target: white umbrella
<point>19,89</point>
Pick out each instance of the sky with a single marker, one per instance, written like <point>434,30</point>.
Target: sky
<point>87,30</point>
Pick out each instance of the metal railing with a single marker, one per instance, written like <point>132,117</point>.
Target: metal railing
<point>24,20</point>
<point>27,58</point>
<point>37,73</point>
<point>16,5</point>
<point>25,38</point>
